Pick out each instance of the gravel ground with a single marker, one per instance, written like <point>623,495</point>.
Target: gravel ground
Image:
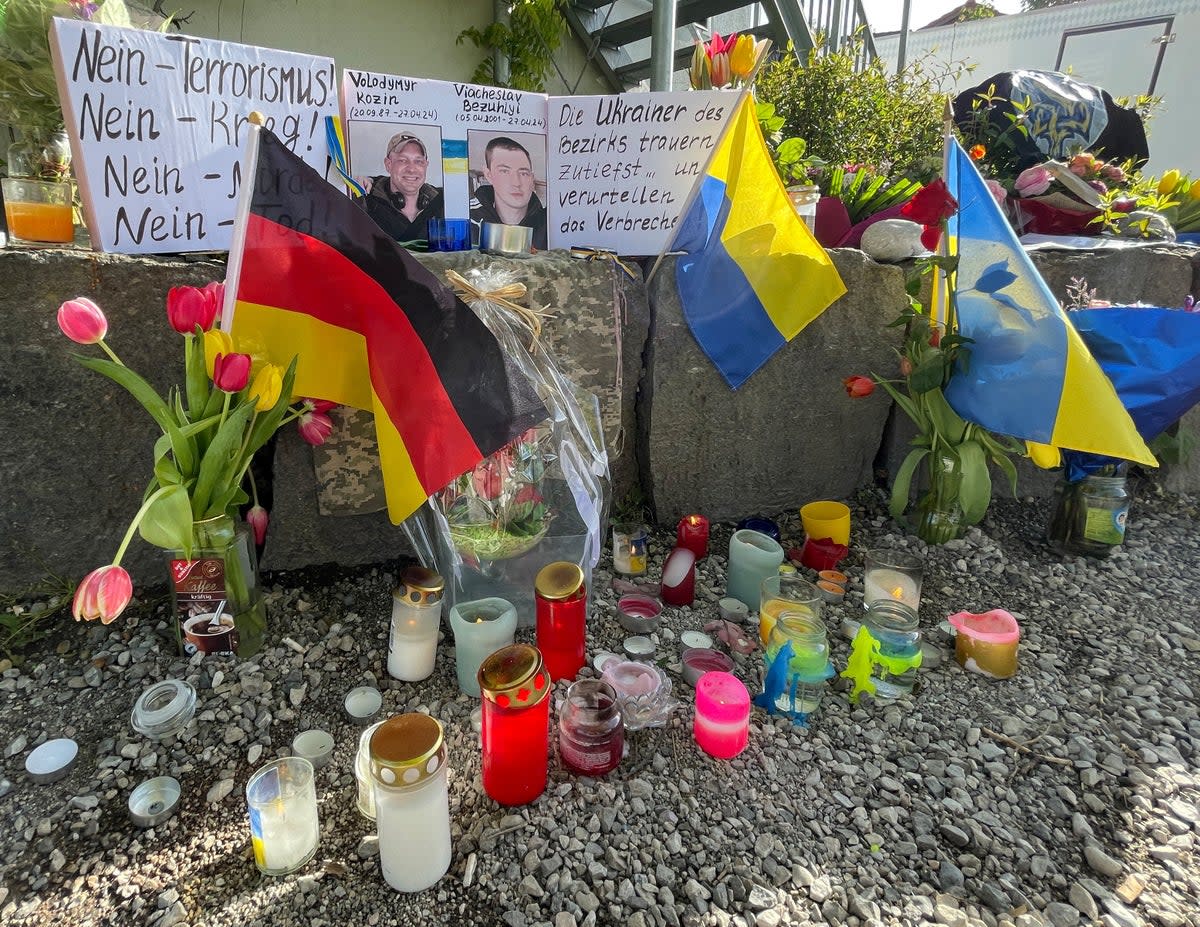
<point>1045,799</point>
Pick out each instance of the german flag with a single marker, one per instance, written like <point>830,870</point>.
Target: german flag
<point>315,278</point>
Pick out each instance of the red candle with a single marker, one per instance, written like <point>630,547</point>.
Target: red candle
<point>516,724</point>
<point>679,577</point>
<point>561,599</point>
<point>692,533</point>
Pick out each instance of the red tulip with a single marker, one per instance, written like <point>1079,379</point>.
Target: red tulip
<point>258,519</point>
<point>931,204</point>
<point>930,236</point>
<point>82,321</point>
<point>488,478</point>
<point>189,306</point>
<point>858,387</point>
<point>315,427</point>
<point>935,337</point>
<point>231,372</point>
<point>102,594</point>
<point>320,405</point>
<point>906,366</point>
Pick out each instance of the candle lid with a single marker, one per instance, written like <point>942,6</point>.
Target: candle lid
<point>407,750</point>
<point>514,677</point>
<point>559,580</point>
<point>420,585</point>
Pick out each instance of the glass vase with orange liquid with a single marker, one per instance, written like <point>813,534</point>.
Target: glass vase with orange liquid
<point>38,210</point>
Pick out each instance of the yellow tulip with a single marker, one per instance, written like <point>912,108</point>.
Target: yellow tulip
<point>266,386</point>
<point>1046,456</point>
<point>741,59</point>
<point>215,342</point>
<point>1168,182</point>
<point>1194,190</point>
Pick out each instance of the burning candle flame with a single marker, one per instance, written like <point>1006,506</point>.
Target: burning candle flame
<point>898,593</point>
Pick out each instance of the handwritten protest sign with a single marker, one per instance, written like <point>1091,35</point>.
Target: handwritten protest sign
<point>442,137</point>
<point>157,122</point>
<point>622,166</point>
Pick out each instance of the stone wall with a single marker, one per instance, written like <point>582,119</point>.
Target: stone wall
<point>77,449</point>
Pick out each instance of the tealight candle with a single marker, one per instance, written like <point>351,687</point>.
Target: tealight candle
<point>52,760</point>
<point>830,592</point>
<point>701,660</point>
<point>679,577</point>
<point>752,558</point>
<point>734,610</point>
<point>314,746</point>
<point>892,576</point>
<point>638,647</point>
<point>362,704</point>
<point>692,533</point>
<point>640,614</point>
<point>695,639</point>
<point>481,627</point>
<point>834,576</point>
<point>722,725</point>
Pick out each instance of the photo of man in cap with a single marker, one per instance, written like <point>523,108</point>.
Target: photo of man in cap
<point>507,195</point>
<point>400,200</point>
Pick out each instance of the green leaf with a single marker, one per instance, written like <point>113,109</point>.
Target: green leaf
<point>945,420</point>
<point>791,150</point>
<point>220,460</point>
<point>904,480</point>
<point>183,448</point>
<point>168,521</point>
<point>1008,469</point>
<point>165,470</point>
<point>975,492</point>
<point>928,374</point>
<point>910,408</point>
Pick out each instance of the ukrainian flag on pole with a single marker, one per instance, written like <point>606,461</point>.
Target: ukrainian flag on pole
<point>753,275</point>
<point>1029,375</point>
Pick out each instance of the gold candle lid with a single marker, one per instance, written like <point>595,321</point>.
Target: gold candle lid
<point>514,677</point>
<point>559,580</point>
<point>407,750</point>
<point>420,585</point>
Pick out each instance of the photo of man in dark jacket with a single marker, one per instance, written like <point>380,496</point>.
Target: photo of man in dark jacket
<point>507,196</point>
<point>400,200</point>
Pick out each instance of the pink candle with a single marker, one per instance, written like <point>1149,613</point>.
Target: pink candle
<point>692,533</point>
<point>679,577</point>
<point>722,726</point>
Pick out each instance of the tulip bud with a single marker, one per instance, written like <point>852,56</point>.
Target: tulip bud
<point>231,372</point>
<point>82,321</point>
<point>1168,183</point>
<point>858,387</point>
<point>315,427</point>
<point>720,69</point>
<point>265,389</point>
<point>906,366</point>
<point>258,519</point>
<point>189,306</point>
<point>102,594</point>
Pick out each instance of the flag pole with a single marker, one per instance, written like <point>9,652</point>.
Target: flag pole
<point>946,302</point>
<point>687,204</point>
<point>241,219</point>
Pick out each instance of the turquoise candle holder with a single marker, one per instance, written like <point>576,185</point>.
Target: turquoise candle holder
<point>752,558</point>
<point>480,629</point>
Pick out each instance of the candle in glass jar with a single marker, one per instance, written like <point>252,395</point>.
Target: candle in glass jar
<point>692,533</point>
<point>679,577</point>
<point>284,829</point>
<point>561,604</point>
<point>631,545</point>
<point>752,558</point>
<point>722,725</point>
<point>480,627</point>
<point>515,731</point>
<point>416,620</point>
<point>891,585</point>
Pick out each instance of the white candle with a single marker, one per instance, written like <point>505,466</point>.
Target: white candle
<point>412,646</point>
<point>891,585</point>
<point>290,831</point>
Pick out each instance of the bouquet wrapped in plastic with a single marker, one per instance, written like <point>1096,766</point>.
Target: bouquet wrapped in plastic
<point>542,497</point>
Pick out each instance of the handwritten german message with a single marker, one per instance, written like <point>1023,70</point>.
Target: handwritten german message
<point>157,123</point>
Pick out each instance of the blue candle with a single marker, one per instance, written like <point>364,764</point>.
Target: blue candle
<point>480,629</point>
<point>752,558</point>
<point>761,525</point>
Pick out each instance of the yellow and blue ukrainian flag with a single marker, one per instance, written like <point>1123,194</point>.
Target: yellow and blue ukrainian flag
<point>753,275</point>
<point>1029,373</point>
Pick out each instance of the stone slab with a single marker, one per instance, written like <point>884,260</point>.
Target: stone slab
<point>790,434</point>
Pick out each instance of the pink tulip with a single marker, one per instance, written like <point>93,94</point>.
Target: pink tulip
<point>189,306</point>
<point>102,594</point>
<point>996,188</point>
<point>1033,181</point>
<point>82,321</point>
<point>231,372</point>
<point>315,427</point>
<point>1081,165</point>
<point>258,519</point>
<point>721,72</point>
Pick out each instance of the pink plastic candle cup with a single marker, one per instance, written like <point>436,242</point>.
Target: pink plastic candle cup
<point>679,577</point>
<point>692,533</point>
<point>722,725</point>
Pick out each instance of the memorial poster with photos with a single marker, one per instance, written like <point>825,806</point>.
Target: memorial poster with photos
<point>157,123</point>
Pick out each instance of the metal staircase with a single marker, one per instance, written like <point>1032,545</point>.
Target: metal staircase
<point>619,30</point>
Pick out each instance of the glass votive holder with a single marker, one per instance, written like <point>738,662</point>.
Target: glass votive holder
<point>480,628</point>
<point>449,234</point>
<point>797,666</point>
<point>591,734</point>
<point>785,592</point>
<point>752,558</point>
<point>38,210</point>
<point>284,829</point>
<point>893,575</point>
<point>631,544</point>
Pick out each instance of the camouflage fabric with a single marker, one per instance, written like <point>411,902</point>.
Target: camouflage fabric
<point>589,300</point>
